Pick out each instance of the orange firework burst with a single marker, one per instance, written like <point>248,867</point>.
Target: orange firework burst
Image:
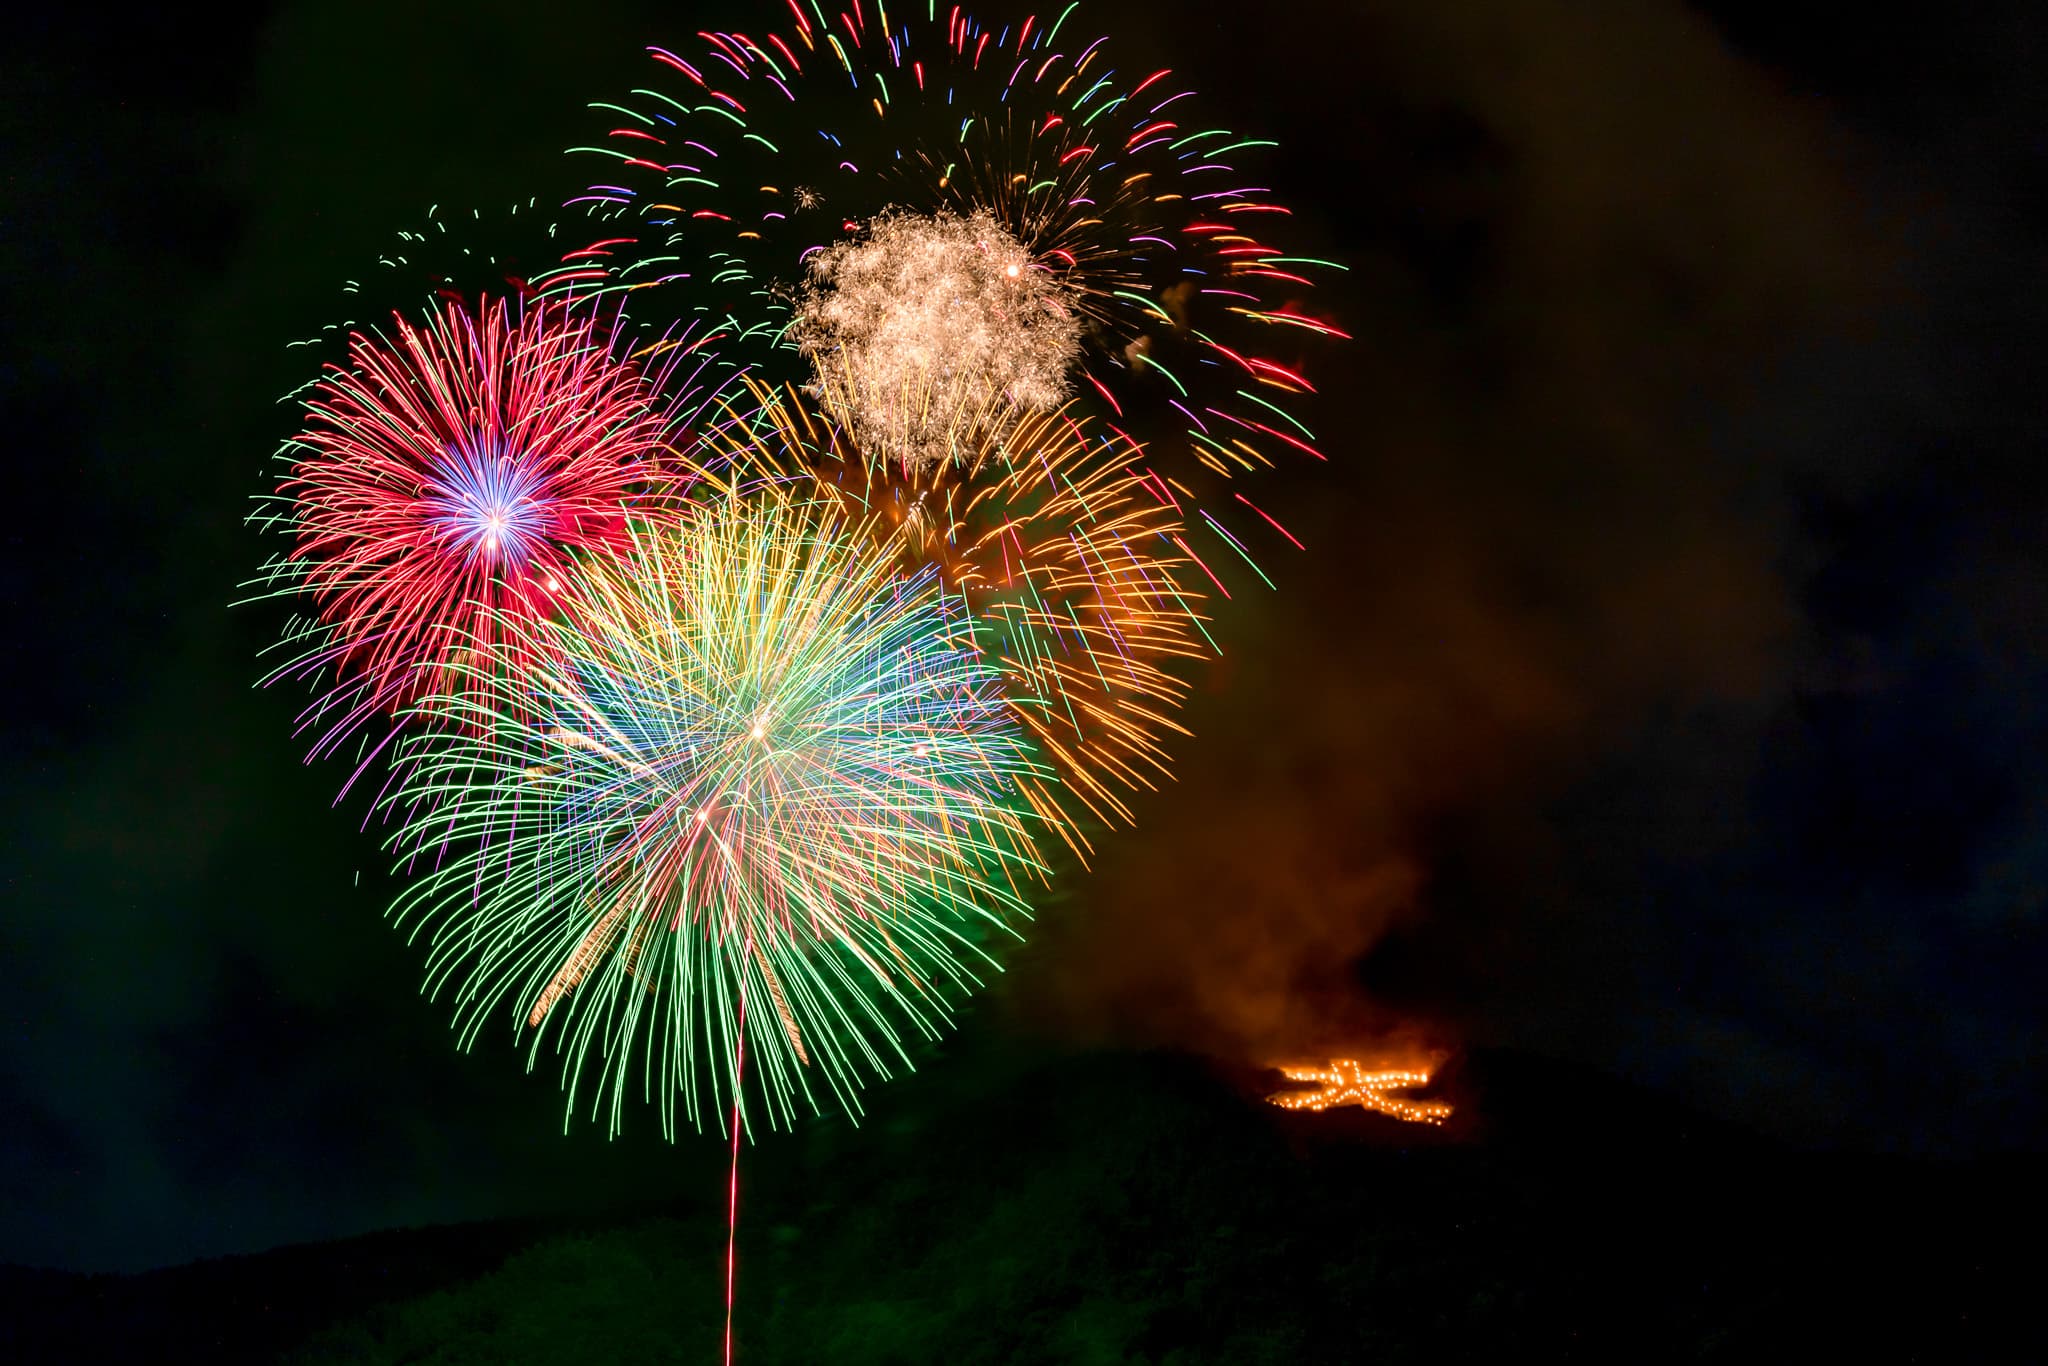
<point>1070,554</point>
<point>1347,1082</point>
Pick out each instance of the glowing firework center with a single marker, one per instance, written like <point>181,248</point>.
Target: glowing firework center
<point>926,332</point>
<point>485,503</point>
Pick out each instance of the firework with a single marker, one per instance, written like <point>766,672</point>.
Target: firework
<point>929,331</point>
<point>1347,1082</point>
<point>1070,555</point>
<point>447,470</point>
<point>1148,274</point>
<point>762,787</point>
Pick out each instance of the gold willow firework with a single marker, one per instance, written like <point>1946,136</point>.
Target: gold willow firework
<point>1348,1082</point>
<point>1070,556</point>
<point>758,797</point>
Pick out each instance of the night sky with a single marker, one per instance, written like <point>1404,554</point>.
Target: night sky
<point>1659,692</point>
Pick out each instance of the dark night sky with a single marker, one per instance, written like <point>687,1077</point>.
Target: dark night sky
<point>1659,690</point>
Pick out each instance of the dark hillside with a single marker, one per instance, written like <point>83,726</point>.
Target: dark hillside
<point>1136,1209</point>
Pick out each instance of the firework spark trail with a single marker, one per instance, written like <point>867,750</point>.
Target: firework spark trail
<point>759,751</point>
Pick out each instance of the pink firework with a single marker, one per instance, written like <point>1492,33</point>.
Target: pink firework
<point>446,474</point>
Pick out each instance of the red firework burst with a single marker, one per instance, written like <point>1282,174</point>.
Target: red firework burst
<point>445,475</point>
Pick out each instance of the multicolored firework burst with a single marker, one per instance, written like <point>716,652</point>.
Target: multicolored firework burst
<point>448,470</point>
<point>1070,555</point>
<point>762,793</point>
<point>834,138</point>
